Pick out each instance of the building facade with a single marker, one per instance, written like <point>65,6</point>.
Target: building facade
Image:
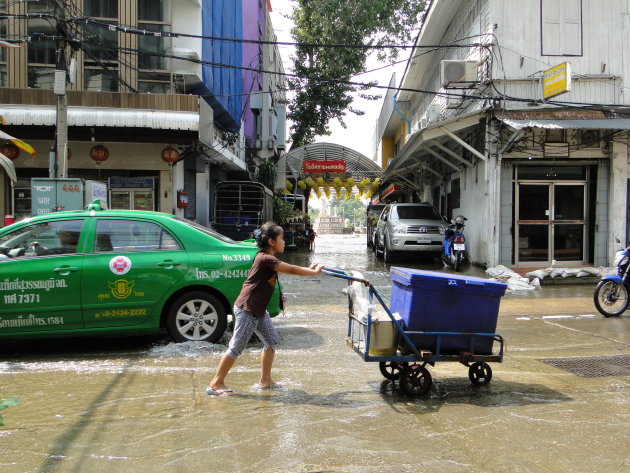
<point>540,179</point>
<point>172,111</point>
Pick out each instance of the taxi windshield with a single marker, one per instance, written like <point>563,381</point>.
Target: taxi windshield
<point>205,230</point>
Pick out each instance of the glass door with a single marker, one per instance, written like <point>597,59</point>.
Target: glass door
<point>569,221</point>
<point>532,233</point>
<point>550,222</point>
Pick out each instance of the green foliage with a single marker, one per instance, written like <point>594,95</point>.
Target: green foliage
<point>317,100</point>
<point>313,213</point>
<point>282,210</point>
<point>8,402</point>
<point>268,174</point>
<point>352,208</point>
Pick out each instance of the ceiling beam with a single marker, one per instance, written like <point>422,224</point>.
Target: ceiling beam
<point>451,153</point>
<point>441,158</point>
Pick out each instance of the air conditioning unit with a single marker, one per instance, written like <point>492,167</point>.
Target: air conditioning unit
<point>458,74</point>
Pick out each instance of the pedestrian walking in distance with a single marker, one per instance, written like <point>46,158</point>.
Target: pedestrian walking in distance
<point>311,238</point>
<point>250,309</point>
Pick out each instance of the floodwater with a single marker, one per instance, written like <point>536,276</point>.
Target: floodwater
<point>138,404</point>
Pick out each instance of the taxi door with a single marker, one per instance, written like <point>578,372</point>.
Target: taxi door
<point>134,265</point>
<point>40,278</point>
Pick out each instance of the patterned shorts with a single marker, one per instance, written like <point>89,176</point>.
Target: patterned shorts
<point>247,324</point>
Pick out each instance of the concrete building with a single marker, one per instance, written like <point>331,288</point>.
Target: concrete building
<point>541,179</point>
<point>139,90</point>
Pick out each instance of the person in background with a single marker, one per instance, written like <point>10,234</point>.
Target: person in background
<point>250,308</point>
<point>311,238</point>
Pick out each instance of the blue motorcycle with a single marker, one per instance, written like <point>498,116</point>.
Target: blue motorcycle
<point>611,294</point>
<point>454,246</point>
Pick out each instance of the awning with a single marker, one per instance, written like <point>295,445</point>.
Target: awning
<point>36,115</point>
<point>420,145</point>
<point>605,123</point>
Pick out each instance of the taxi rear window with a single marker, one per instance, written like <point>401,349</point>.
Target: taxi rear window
<point>205,230</point>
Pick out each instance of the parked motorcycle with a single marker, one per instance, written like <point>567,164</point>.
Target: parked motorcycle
<point>611,294</point>
<point>454,246</point>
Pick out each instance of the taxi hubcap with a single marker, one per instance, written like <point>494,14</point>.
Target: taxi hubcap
<point>196,319</point>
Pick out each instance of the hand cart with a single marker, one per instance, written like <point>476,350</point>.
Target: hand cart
<point>408,365</point>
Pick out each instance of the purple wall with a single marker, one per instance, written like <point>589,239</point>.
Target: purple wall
<point>254,27</point>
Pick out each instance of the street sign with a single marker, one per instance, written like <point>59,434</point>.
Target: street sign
<point>557,80</point>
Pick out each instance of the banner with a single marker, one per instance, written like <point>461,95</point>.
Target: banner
<point>324,167</point>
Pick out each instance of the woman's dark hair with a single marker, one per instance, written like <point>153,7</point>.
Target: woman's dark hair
<point>268,231</point>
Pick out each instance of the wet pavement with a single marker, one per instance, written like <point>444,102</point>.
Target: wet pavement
<point>138,404</point>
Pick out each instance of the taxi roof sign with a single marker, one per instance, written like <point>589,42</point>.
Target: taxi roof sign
<point>557,80</point>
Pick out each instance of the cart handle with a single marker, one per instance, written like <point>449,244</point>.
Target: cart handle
<point>338,273</point>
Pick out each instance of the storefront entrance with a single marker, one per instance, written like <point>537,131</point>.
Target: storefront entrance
<point>551,215</point>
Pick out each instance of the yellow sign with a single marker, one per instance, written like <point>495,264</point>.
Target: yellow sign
<point>557,80</point>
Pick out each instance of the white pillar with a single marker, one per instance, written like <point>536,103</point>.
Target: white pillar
<point>618,202</point>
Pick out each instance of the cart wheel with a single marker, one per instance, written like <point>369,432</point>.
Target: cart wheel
<point>415,380</point>
<point>480,373</point>
<point>391,369</point>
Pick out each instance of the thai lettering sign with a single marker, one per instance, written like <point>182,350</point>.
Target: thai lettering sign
<point>324,167</point>
<point>557,80</point>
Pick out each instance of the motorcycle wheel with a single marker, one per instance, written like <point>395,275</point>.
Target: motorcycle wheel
<point>606,302</point>
<point>457,260</point>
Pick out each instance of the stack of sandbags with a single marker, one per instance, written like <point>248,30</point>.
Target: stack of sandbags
<point>514,280</point>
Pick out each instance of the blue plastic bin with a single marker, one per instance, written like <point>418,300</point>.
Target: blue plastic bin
<point>429,301</point>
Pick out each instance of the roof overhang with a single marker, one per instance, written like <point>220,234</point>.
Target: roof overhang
<point>429,144</point>
<point>357,164</point>
<point>607,124</point>
<point>36,115</point>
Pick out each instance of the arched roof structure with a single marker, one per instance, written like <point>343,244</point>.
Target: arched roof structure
<point>358,166</point>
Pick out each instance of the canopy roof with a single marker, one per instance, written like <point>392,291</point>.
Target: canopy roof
<point>358,166</point>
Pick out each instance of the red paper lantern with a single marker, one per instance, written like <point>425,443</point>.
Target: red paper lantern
<point>99,153</point>
<point>10,151</point>
<point>170,155</point>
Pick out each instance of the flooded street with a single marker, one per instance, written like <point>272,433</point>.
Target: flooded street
<point>138,404</point>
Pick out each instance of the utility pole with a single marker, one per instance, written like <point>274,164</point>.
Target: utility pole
<point>59,156</point>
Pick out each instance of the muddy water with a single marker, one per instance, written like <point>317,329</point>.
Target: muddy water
<point>138,404</point>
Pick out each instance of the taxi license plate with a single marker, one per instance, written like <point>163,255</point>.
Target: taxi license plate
<point>459,247</point>
<point>424,239</point>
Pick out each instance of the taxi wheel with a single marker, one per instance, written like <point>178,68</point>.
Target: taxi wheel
<point>196,316</point>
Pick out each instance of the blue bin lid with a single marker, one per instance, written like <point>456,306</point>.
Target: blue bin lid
<point>419,278</point>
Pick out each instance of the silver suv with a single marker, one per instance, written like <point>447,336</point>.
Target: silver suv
<point>408,227</point>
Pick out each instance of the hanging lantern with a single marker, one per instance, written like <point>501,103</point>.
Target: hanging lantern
<point>10,151</point>
<point>170,155</point>
<point>99,153</point>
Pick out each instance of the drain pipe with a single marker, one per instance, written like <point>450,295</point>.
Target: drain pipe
<point>397,110</point>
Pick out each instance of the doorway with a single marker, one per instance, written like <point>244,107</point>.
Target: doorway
<point>551,222</point>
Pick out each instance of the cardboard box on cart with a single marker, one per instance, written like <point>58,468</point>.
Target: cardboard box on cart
<point>430,301</point>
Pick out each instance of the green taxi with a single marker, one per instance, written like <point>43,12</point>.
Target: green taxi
<point>107,272</point>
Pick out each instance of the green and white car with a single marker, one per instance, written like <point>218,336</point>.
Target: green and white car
<point>107,272</point>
